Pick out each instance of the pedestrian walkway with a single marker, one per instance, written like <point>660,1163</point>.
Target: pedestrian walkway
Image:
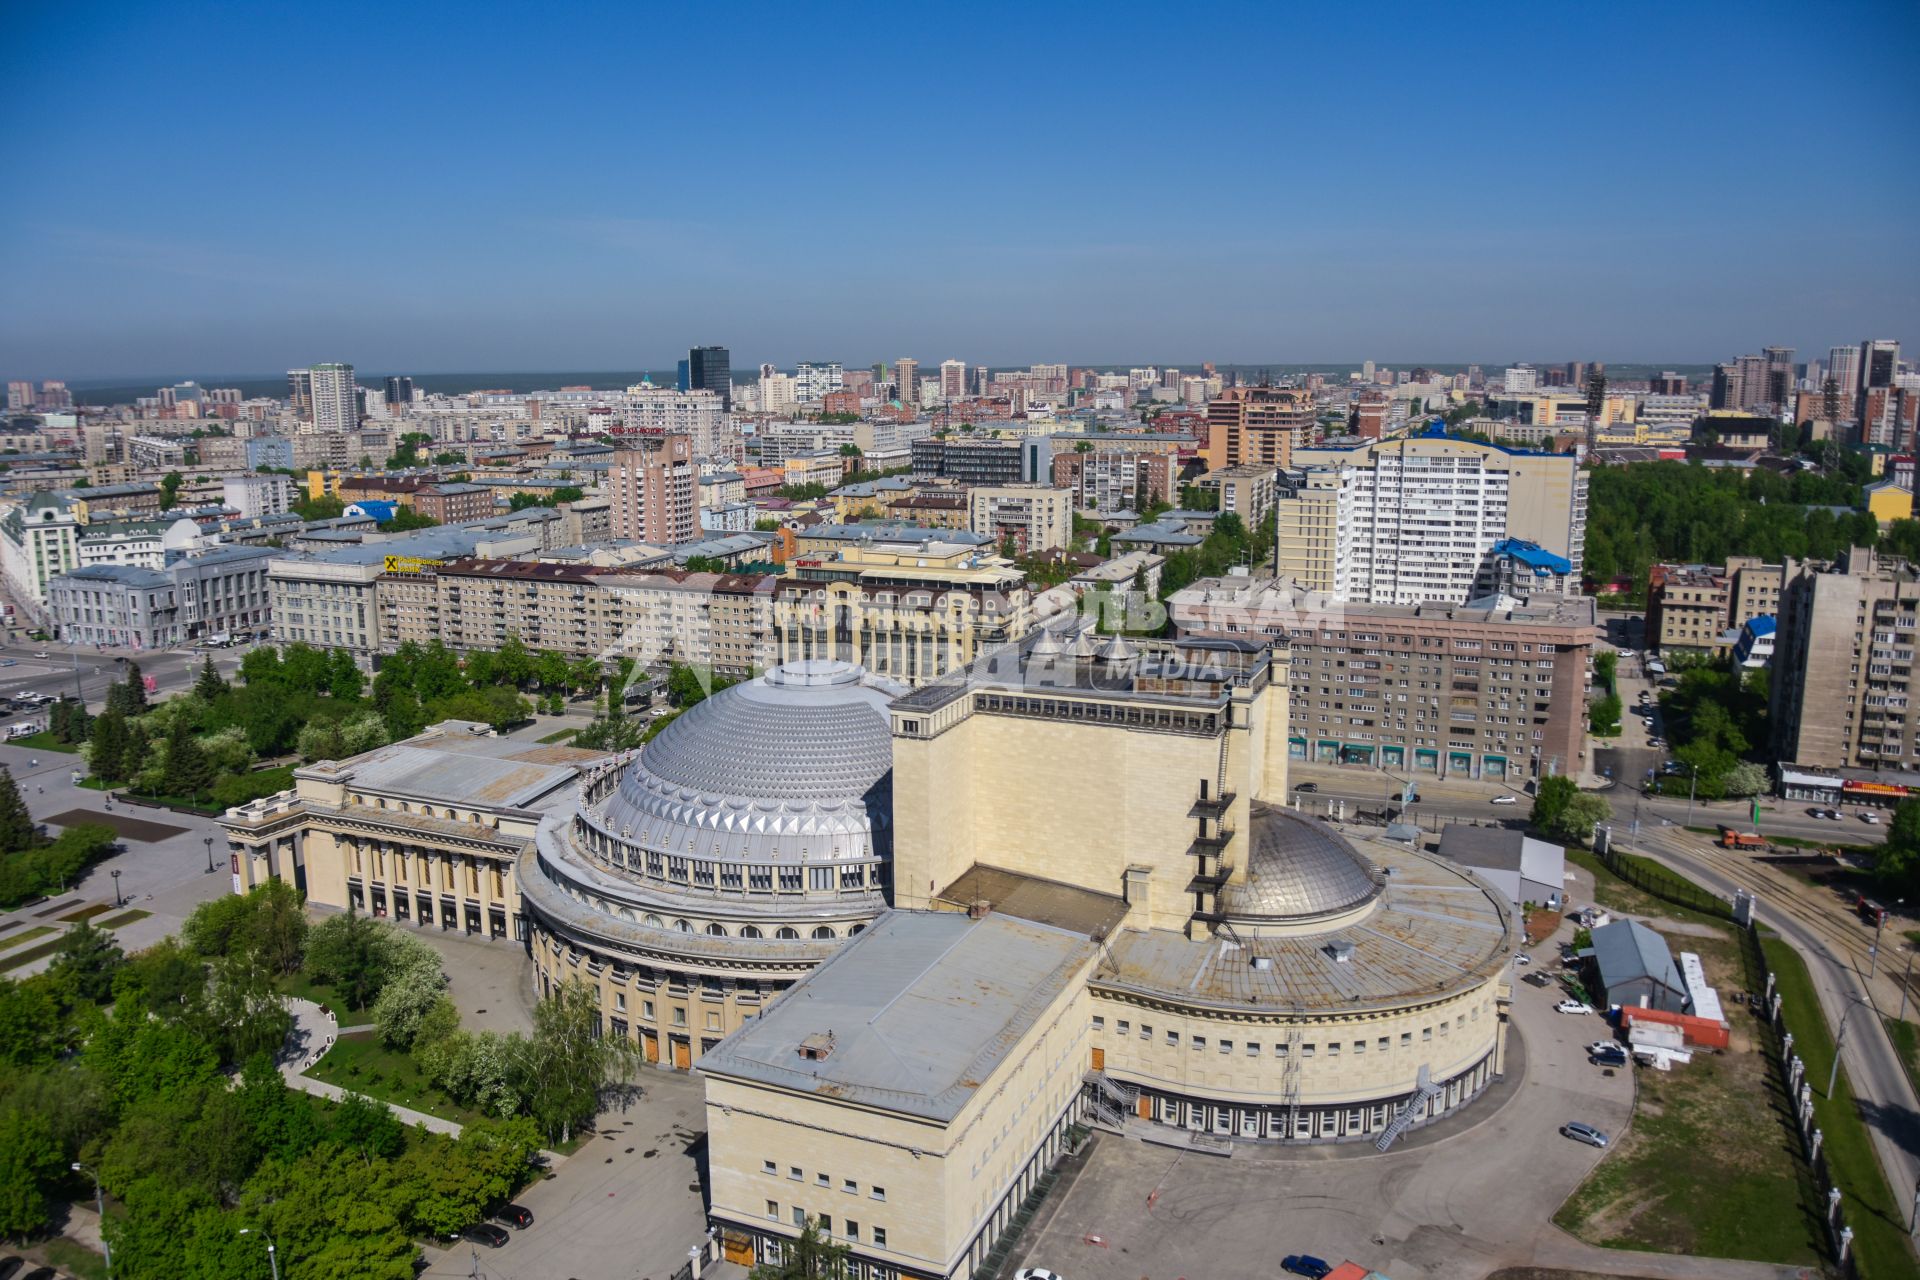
<point>314,1031</point>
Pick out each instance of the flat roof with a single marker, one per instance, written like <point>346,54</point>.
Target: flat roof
<point>445,763</point>
<point>914,1015</point>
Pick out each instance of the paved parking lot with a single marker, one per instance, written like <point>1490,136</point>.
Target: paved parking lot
<point>626,1206</point>
<point>1472,1200</point>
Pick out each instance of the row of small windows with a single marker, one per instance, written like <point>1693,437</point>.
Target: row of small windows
<point>1254,1048</point>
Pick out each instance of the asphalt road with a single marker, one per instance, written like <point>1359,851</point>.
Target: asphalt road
<point>94,670</point>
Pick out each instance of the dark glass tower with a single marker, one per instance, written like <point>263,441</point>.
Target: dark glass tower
<point>711,369</point>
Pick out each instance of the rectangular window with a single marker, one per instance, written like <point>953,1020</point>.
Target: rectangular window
<point>799,1216</point>
<point>1253,1048</point>
<point>878,1193</point>
<point>1099,1023</point>
<point>1173,1038</point>
<point>880,1236</point>
<point>768,1166</point>
<point>822,1180</point>
<point>794,1173</point>
<point>853,1229</point>
<point>1226,1046</point>
<point>851,1187</point>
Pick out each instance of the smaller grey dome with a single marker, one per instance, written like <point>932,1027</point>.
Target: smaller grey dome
<point>1047,646</point>
<point>1119,649</point>
<point>1298,869</point>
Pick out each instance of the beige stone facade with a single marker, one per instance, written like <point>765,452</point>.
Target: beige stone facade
<point>909,614</point>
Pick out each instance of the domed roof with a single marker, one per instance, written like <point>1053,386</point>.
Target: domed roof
<point>1298,869</point>
<point>794,765</point>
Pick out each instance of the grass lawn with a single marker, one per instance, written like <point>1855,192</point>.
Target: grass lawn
<point>559,735</point>
<point>87,912</point>
<point>1709,1165</point>
<point>125,917</point>
<point>303,987</point>
<point>15,959</point>
<point>44,741</point>
<point>364,1065</point>
<point>25,935</point>
<point>76,1260</point>
<point>1906,1040</point>
<point>1877,1219</point>
<point>1615,894</point>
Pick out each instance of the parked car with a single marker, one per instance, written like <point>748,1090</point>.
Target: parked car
<point>515,1215</point>
<point>1572,1006</point>
<point>1523,958</point>
<point>1871,819</point>
<point>1036,1273</point>
<point>10,1264</point>
<point>1538,979</point>
<point>1505,800</point>
<point>1307,786</point>
<point>485,1233</point>
<point>1601,1046</point>
<point>1584,1133</point>
<point>41,1273</point>
<point>1305,1264</point>
<point>1611,1056</point>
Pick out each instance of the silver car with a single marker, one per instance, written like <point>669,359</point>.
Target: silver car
<point>1584,1133</point>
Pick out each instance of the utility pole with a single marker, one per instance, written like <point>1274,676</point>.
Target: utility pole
<point>1839,1043</point>
<point>1903,984</point>
<point>100,1206</point>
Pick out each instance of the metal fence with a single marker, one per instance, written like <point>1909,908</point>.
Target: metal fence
<point>1655,879</point>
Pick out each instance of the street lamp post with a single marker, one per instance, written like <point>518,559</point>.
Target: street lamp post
<point>208,841</point>
<point>1903,984</point>
<point>118,901</point>
<point>272,1262</point>
<point>1873,954</point>
<point>1839,1043</point>
<point>100,1207</point>
<point>1693,782</point>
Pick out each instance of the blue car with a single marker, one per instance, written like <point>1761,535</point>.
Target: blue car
<point>1305,1264</point>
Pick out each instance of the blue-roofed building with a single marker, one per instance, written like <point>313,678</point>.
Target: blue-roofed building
<point>1517,567</point>
<point>379,510</point>
<point>1754,648</point>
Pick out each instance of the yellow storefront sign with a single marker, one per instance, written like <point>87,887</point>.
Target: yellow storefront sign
<point>410,564</point>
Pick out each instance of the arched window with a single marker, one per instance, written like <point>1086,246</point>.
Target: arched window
<point>822,933</point>
<point>653,920</point>
<point>715,931</point>
<point>683,926</point>
<point>749,931</point>
<point>859,928</point>
<point>787,933</point>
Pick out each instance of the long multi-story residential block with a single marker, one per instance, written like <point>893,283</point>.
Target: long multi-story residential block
<point>1418,518</point>
<point>1489,691</point>
<point>584,610</point>
<point>1034,517</point>
<point>1701,608</point>
<point>910,614</point>
<point>1246,491</point>
<point>1843,693</point>
<point>1108,481</point>
<point>974,462</point>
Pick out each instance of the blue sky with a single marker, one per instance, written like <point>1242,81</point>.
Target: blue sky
<point>237,188</point>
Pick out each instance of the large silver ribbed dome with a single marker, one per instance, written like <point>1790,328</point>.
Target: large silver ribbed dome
<point>796,765</point>
<point>1298,869</point>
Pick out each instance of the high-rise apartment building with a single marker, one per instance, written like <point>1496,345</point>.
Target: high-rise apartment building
<point>1728,389</point>
<point>1879,362</point>
<point>698,415</point>
<point>300,393</point>
<point>953,379</point>
<point>1429,518</point>
<point>335,405</point>
<point>399,392</point>
<point>19,396</point>
<point>815,379</point>
<point>711,369</point>
<point>1261,425</point>
<point>1843,366</point>
<point>1779,378</point>
<point>1667,383</point>
<point>1842,689</point>
<point>905,372</point>
<point>654,491</point>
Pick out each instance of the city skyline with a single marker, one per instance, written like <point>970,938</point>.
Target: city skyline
<point>476,219</point>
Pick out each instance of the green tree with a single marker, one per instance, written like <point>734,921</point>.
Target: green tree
<point>17,828</point>
<point>811,1256</point>
<point>170,490</point>
<point>513,663</point>
<point>566,1063</point>
<point>85,963</point>
<point>1574,824</point>
<point>1899,860</point>
<point>412,989</point>
<point>550,669</point>
<point>350,953</point>
<point>1550,799</point>
<point>31,1163</point>
<point>406,519</point>
<point>1603,717</point>
<point>187,771</point>
<point>208,685</point>
<point>344,678</point>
